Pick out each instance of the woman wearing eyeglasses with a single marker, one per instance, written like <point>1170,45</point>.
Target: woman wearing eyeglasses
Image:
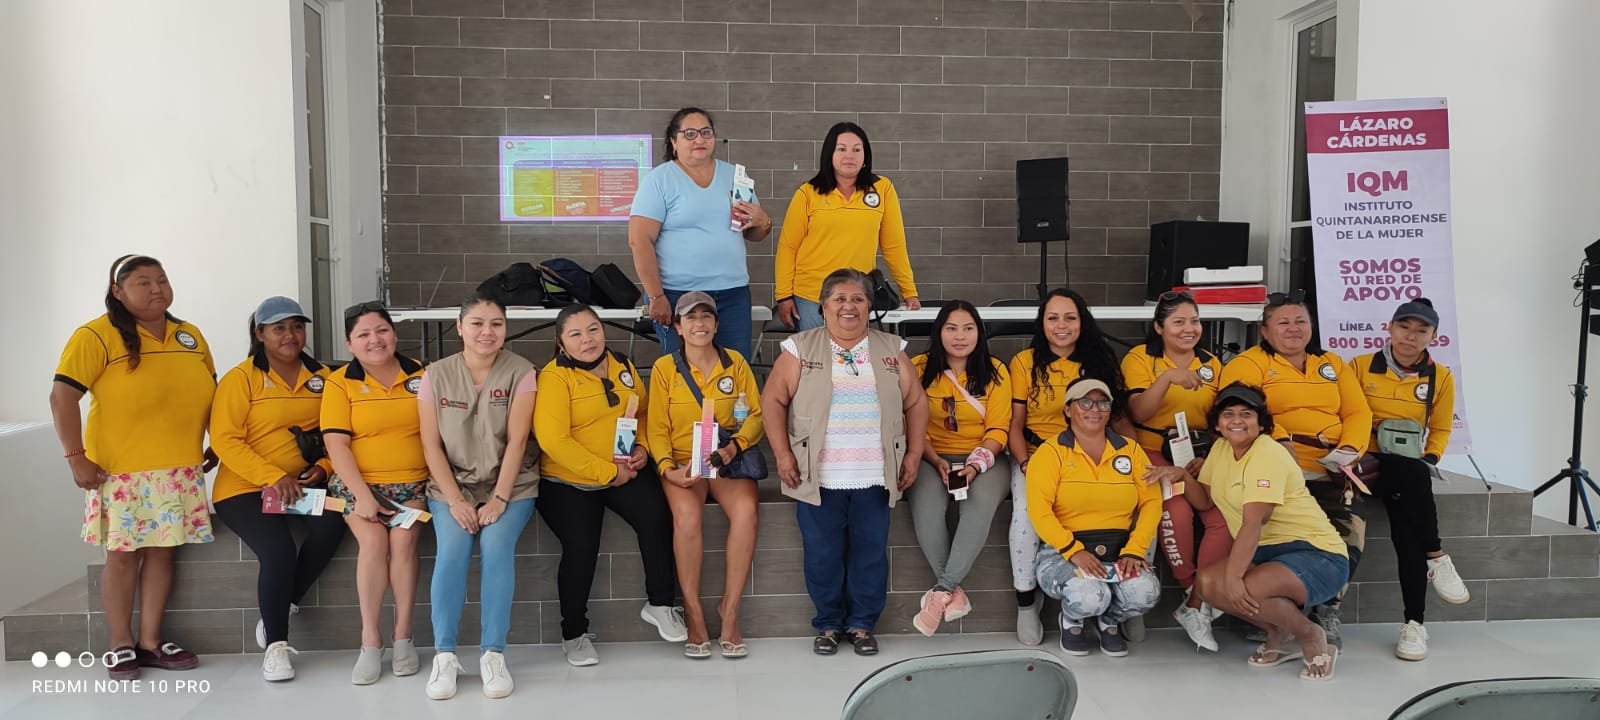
<point>1096,515</point>
<point>1167,375</point>
<point>1319,409</point>
<point>588,467</point>
<point>688,231</point>
<point>841,218</point>
<point>969,414</point>
<point>1067,344</point>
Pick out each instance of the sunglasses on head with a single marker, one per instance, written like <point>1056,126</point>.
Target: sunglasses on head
<point>950,414</point>
<point>1092,404</point>
<point>1174,296</point>
<point>359,309</point>
<point>1296,297</point>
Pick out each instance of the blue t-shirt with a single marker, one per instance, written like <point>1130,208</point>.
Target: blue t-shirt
<point>696,249</point>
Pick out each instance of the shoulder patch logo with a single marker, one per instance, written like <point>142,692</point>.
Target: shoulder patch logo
<point>1123,465</point>
<point>1327,372</point>
<point>185,339</point>
<point>1206,373</point>
<point>315,384</point>
<point>413,385</point>
<point>1421,391</point>
<point>725,385</point>
<point>626,378</point>
<point>1264,483</point>
<point>872,200</point>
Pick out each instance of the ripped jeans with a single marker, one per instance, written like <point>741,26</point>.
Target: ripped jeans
<point>1083,598</point>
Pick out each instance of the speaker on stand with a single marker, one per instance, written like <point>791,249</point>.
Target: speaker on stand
<point>1177,245</point>
<point>1042,210</point>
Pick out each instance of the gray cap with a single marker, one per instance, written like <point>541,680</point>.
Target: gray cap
<point>278,308</point>
<point>1421,309</point>
<point>693,299</point>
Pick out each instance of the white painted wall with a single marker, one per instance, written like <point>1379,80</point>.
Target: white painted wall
<point>45,548</point>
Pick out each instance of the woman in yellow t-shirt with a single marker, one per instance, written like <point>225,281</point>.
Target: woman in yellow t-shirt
<point>374,438</point>
<point>140,459</point>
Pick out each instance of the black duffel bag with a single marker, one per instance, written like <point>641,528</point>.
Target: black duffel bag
<point>609,287</point>
<point>520,284</point>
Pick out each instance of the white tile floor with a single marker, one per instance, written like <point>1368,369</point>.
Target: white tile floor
<point>782,679</point>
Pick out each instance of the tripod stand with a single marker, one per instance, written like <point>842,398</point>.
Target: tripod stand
<point>1580,484</point>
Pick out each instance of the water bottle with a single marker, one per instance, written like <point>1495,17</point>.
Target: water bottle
<point>741,410</point>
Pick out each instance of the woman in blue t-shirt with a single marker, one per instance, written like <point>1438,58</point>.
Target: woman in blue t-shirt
<point>682,232</point>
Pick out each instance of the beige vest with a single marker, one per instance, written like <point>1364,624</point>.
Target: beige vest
<point>473,426</point>
<point>813,397</point>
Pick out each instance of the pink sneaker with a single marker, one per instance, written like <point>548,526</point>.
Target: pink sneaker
<point>959,606</point>
<point>933,603</point>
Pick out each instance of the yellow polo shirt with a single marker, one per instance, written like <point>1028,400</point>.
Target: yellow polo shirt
<point>674,411</point>
<point>1325,400</point>
<point>250,421</point>
<point>576,423</point>
<point>1140,370</point>
<point>149,418</point>
<point>1268,474</point>
<point>822,233</point>
<point>1045,406</point>
<point>1069,492</point>
<point>1391,396</point>
<point>385,434</point>
<point>971,429</point>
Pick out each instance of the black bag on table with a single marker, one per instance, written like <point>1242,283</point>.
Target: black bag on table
<point>611,288</point>
<point>884,296</point>
<point>519,284</point>
<point>566,282</point>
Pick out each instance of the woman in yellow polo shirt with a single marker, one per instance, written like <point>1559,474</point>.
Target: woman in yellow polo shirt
<point>1285,555</point>
<point>369,422</point>
<point>1319,410</point>
<point>139,461</point>
<point>1096,514</point>
<point>840,218</point>
<point>969,414</point>
<point>1067,344</point>
<point>264,407</point>
<point>1413,403</point>
<point>722,378</point>
<point>1167,375</point>
<point>583,392</point>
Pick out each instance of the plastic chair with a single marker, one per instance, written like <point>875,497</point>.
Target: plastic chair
<point>920,328</point>
<point>1011,328</point>
<point>1024,683</point>
<point>1534,697</point>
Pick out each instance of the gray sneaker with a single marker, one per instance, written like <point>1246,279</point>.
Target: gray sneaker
<point>1133,629</point>
<point>1111,641</point>
<point>668,621</point>
<point>1030,629</point>
<point>404,658</point>
<point>1329,617</point>
<point>580,651</point>
<point>1073,641</point>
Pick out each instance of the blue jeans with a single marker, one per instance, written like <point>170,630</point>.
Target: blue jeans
<point>846,541</point>
<point>733,320</point>
<point>497,546</point>
<point>810,314</point>
<point>1322,573</point>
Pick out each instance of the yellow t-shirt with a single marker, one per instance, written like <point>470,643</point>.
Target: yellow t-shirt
<point>1068,492</point>
<point>250,421</point>
<point>150,418</point>
<point>1268,474</point>
<point>385,434</point>
<point>673,410</point>
<point>576,423</point>
<point>1045,406</point>
<point>822,233</point>
<point>1140,371</point>
<point>1391,396</point>
<point>1324,401</point>
<point>971,429</point>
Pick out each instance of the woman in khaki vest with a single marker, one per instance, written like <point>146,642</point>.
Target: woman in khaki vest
<point>476,411</point>
<point>847,421</point>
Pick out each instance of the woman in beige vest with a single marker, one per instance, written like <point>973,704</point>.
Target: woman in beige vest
<point>847,421</point>
<point>476,411</point>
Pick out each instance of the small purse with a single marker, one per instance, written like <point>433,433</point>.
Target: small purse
<point>884,296</point>
<point>310,443</point>
<point>1104,544</point>
<point>1400,436</point>
<point>749,464</point>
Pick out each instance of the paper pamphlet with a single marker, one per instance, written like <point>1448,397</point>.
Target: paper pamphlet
<point>744,190</point>
<point>314,501</point>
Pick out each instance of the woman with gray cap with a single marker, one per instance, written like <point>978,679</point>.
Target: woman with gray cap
<point>264,430</point>
<point>1413,408</point>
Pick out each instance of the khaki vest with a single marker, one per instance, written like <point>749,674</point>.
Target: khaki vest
<point>813,397</point>
<point>473,426</point>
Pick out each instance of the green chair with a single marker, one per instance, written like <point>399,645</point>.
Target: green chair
<point>1023,684</point>
<point>1535,697</point>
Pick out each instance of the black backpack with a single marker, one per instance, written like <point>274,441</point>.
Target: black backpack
<point>518,284</point>
<point>565,282</point>
<point>611,288</point>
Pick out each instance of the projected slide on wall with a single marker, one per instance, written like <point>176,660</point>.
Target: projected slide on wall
<point>570,178</point>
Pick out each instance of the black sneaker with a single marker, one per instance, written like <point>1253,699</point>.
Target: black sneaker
<point>1111,641</point>
<point>1073,641</point>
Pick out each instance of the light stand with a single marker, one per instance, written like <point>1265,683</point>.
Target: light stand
<point>1580,484</point>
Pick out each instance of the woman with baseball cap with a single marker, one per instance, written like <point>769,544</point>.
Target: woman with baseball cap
<point>264,428</point>
<point>1096,516</point>
<point>682,384</point>
<point>1413,406</point>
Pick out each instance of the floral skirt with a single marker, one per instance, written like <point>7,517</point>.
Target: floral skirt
<point>150,508</point>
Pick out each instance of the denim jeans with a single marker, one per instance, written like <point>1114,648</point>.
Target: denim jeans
<point>846,541</point>
<point>497,546</point>
<point>733,320</point>
<point>810,314</point>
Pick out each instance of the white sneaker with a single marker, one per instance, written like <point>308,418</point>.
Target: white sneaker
<point>442,681</point>
<point>580,651</point>
<point>1413,642</point>
<point>1197,623</point>
<point>261,627</point>
<point>275,665</point>
<point>497,681</point>
<point>1446,581</point>
<point>668,621</point>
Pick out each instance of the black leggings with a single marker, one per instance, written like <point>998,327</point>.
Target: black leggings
<point>286,573</point>
<point>576,517</point>
<point>1406,486</point>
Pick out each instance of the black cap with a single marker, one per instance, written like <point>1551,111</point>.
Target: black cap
<point>1421,309</point>
<point>1246,394</point>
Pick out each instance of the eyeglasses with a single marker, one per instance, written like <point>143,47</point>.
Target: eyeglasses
<point>950,414</point>
<point>695,134</point>
<point>359,309</point>
<point>1297,297</point>
<point>1087,404</point>
<point>611,392</point>
<point>849,360</point>
<point>1174,295</point>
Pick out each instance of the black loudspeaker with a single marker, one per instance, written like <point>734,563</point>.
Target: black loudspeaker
<point>1177,245</point>
<point>1042,200</point>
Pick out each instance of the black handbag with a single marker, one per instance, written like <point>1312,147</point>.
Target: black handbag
<point>310,443</point>
<point>1104,544</point>
<point>749,464</point>
<point>884,296</point>
<point>518,285</point>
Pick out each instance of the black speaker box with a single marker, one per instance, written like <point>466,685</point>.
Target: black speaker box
<point>1177,245</point>
<point>1042,200</point>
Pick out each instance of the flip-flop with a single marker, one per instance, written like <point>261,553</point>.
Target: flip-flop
<point>698,651</point>
<point>733,650</point>
<point>1329,658</point>
<point>1284,654</point>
